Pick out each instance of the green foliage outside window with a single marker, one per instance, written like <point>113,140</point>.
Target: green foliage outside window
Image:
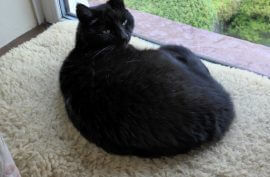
<point>252,22</point>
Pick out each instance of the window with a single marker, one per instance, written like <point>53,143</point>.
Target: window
<point>245,19</point>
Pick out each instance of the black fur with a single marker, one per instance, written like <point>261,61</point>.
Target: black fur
<point>147,103</point>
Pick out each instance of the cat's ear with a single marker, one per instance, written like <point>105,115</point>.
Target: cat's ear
<point>83,12</point>
<point>116,4</point>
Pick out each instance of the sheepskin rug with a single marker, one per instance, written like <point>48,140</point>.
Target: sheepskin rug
<point>44,143</point>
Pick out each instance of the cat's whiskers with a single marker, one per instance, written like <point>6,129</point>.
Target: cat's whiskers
<point>131,61</point>
<point>104,49</point>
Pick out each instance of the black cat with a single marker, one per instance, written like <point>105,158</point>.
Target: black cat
<point>148,103</point>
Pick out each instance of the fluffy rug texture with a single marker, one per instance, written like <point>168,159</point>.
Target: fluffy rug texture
<point>44,143</point>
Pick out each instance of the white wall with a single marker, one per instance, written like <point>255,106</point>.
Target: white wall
<point>16,18</point>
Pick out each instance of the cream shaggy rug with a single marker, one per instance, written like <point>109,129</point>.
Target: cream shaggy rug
<point>44,143</point>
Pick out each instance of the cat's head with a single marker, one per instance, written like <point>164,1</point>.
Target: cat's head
<point>107,24</point>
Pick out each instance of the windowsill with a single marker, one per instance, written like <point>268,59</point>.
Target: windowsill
<point>218,48</point>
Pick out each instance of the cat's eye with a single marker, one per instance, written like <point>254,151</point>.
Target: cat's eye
<point>106,32</point>
<point>124,23</point>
